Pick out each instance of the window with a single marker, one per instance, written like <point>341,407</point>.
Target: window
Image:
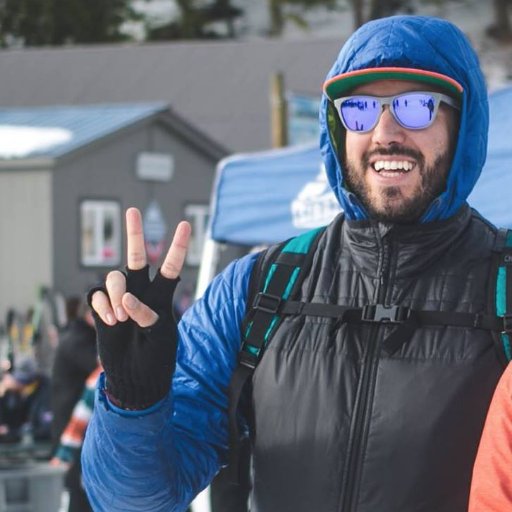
<point>100,228</point>
<point>197,215</point>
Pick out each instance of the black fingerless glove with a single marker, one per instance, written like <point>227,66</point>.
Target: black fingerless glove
<point>139,362</point>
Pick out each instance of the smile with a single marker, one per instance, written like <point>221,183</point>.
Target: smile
<point>393,165</point>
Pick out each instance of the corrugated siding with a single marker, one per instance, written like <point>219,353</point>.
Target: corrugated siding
<point>25,237</point>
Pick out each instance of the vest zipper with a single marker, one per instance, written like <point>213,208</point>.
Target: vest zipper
<point>364,398</point>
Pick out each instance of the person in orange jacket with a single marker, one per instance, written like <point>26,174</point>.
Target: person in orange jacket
<point>491,487</point>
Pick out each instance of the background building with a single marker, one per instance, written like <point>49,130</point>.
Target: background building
<point>68,173</point>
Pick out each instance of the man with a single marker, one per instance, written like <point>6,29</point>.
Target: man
<point>75,358</point>
<point>71,440</point>
<point>25,402</point>
<point>349,413</point>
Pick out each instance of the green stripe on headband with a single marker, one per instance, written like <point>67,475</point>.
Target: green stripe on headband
<point>338,86</point>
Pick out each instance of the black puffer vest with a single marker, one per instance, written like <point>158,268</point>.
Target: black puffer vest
<point>339,425</point>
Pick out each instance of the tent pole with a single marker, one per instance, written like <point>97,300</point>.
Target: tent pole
<point>278,111</point>
<point>207,269</point>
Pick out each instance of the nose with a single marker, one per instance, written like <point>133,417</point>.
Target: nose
<point>387,131</point>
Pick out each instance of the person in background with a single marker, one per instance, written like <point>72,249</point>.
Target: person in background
<point>75,359</point>
<point>25,403</point>
<point>491,486</point>
<point>371,391</point>
<point>70,444</point>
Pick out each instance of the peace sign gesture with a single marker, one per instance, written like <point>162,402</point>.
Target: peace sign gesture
<point>119,304</point>
<point>137,333</point>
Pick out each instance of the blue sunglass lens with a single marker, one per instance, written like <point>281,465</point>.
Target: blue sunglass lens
<point>360,113</point>
<point>414,110</point>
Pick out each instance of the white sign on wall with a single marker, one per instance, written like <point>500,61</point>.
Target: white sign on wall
<point>155,228</point>
<point>154,166</point>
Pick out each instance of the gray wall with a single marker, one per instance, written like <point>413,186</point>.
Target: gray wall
<point>222,87</point>
<point>106,170</point>
<point>26,235</point>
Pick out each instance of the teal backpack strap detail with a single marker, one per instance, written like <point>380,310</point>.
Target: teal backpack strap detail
<point>303,243</point>
<point>283,278</point>
<point>501,293</point>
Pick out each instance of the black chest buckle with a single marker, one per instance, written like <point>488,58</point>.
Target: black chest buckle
<point>385,314</point>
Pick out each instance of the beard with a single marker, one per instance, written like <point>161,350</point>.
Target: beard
<point>392,206</point>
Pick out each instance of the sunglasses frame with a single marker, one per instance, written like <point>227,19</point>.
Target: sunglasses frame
<point>388,100</point>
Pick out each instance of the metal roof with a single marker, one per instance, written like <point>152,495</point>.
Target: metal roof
<point>56,130</point>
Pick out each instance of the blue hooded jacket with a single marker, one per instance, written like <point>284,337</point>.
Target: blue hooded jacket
<point>159,459</point>
<point>422,43</point>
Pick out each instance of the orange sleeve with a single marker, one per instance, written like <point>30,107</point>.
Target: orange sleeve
<point>491,487</point>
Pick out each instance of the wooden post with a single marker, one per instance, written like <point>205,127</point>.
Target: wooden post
<point>278,112</point>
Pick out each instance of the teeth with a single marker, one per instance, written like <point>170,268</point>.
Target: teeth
<point>393,165</point>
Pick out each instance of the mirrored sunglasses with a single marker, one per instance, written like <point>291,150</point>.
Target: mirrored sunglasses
<point>412,110</point>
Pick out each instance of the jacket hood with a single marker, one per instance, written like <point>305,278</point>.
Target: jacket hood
<point>424,43</point>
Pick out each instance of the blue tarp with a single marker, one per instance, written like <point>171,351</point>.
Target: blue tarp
<point>270,196</point>
<point>493,191</point>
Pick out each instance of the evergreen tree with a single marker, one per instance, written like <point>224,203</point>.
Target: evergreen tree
<point>195,20</point>
<point>56,22</point>
<point>280,12</point>
<point>501,29</point>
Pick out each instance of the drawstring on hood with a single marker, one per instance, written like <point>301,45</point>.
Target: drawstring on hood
<point>424,43</point>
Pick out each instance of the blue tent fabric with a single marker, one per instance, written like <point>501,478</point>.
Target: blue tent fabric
<point>254,195</point>
<point>266,197</point>
<point>493,192</point>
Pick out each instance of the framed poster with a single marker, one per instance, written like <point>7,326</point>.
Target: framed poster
<point>100,233</point>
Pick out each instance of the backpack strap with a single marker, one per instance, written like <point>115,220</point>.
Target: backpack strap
<point>267,292</point>
<point>501,293</point>
<point>284,276</point>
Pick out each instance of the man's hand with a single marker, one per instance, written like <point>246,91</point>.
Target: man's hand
<point>136,329</point>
